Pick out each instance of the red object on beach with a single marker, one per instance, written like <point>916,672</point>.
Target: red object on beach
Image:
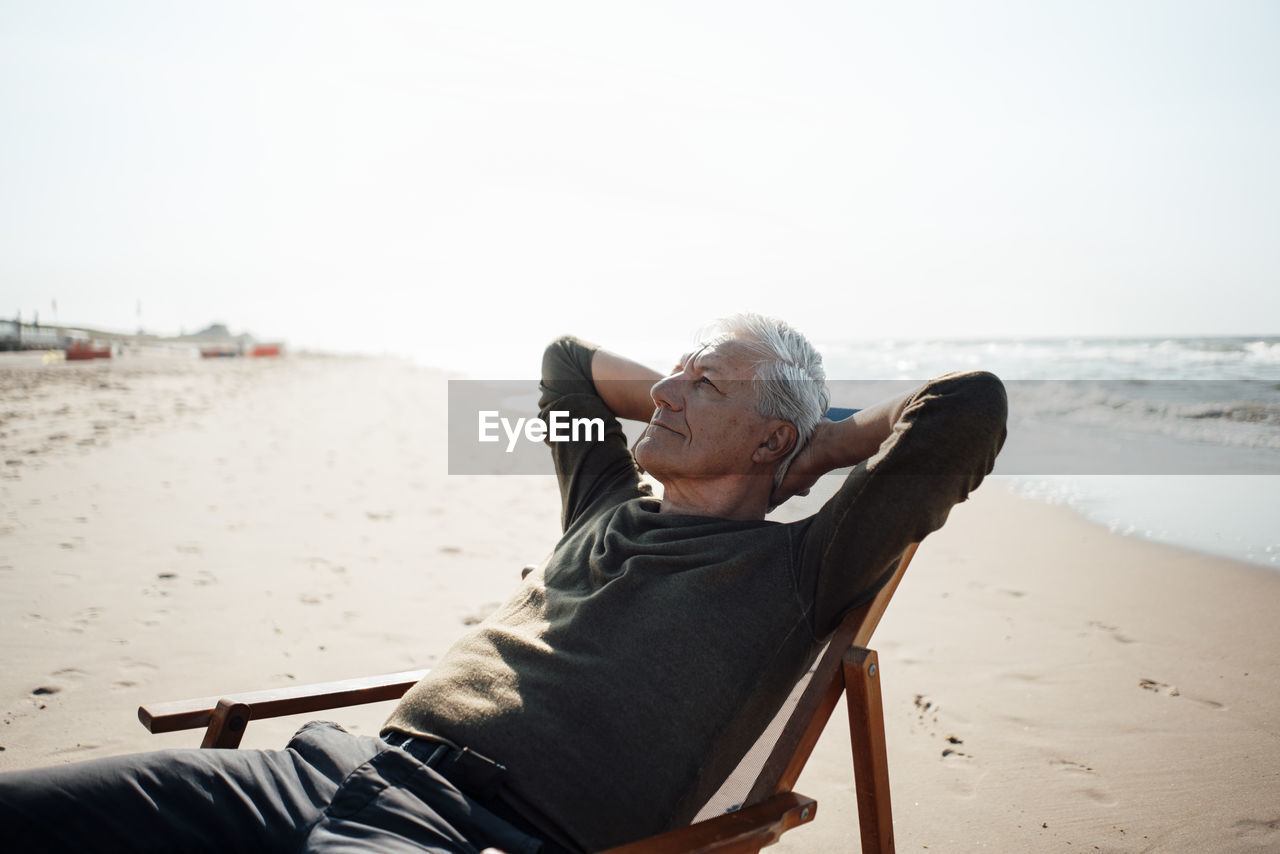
<point>266,350</point>
<point>80,351</point>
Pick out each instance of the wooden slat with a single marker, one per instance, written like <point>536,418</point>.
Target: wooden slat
<point>743,831</point>
<point>278,702</point>
<point>870,755</point>
<point>226,726</point>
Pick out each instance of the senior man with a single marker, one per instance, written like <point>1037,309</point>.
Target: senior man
<point>611,695</point>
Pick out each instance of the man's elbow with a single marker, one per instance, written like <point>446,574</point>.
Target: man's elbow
<point>985,402</point>
<point>985,394</point>
<point>557,350</point>
<point>566,367</point>
<point>975,407</point>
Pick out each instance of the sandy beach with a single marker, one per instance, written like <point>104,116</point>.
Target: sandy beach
<point>179,528</point>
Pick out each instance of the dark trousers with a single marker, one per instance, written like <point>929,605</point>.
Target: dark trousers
<point>327,791</point>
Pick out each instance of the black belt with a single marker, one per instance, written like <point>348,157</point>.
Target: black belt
<point>474,774</point>
<point>482,779</point>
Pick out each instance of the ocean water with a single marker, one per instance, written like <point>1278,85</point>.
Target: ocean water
<point>1172,439</point>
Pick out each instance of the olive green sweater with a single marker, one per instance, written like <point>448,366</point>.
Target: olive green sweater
<point>625,678</point>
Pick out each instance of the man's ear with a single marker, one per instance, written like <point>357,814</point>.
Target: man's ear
<point>779,443</point>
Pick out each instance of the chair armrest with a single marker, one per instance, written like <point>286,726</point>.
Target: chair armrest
<point>278,702</point>
<point>746,830</point>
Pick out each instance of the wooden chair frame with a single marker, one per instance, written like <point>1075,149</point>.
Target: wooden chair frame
<point>770,809</point>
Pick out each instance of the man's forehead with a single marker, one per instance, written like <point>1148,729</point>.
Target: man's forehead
<point>727,355</point>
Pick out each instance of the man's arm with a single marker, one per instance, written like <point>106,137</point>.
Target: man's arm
<point>937,449</point>
<point>624,385</point>
<point>588,468</point>
<point>837,444</point>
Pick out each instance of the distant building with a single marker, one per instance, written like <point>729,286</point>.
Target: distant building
<point>16,335</point>
<point>217,340</point>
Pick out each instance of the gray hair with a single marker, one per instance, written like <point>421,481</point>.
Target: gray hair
<point>790,381</point>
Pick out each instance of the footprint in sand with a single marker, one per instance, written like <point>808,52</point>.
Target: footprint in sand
<point>926,712</point>
<point>1257,828</point>
<point>1114,631</point>
<point>953,749</point>
<point>83,619</point>
<point>1157,687</point>
<point>133,672</point>
<point>79,748</point>
<point>324,563</point>
<point>72,673</point>
<point>41,692</point>
<point>163,585</point>
<point>1076,769</point>
<point>156,618</point>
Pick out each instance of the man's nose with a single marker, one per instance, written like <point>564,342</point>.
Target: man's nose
<point>665,392</point>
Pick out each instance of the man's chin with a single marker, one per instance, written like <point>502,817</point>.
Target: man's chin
<point>649,458</point>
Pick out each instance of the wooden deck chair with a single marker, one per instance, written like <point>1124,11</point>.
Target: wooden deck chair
<point>769,807</point>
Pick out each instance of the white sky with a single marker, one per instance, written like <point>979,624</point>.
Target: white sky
<point>463,180</point>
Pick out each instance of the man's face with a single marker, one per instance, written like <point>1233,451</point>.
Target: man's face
<point>705,422</point>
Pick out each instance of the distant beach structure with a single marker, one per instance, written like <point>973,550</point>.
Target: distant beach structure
<point>216,342</point>
<point>78,344</point>
<point>16,335</point>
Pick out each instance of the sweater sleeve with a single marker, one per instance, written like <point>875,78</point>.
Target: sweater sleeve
<point>939,451</point>
<point>594,460</point>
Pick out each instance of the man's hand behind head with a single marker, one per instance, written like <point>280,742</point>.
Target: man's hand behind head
<point>809,465</point>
